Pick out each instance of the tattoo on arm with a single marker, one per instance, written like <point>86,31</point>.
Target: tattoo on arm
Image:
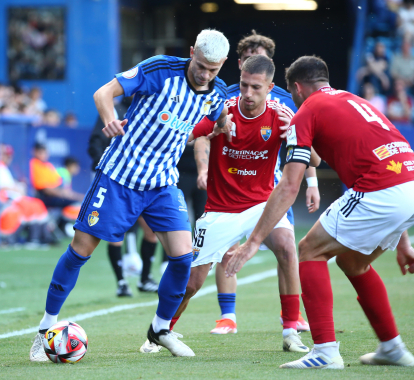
<point>222,123</point>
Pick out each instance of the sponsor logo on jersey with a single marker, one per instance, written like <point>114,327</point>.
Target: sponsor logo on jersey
<point>130,73</point>
<point>388,150</point>
<point>395,167</point>
<point>241,172</point>
<point>245,154</point>
<point>93,218</point>
<point>265,132</point>
<point>409,165</point>
<point>176,99</point>
<point>207,106</point>
<point>196,252</point>
<point>291,136</point>
<point>173,122</point>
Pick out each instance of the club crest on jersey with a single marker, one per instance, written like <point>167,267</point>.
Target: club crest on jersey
<point>173,122</point>
<point>130,73</point>
<point>289,154</point>
<point>196,252</point>
<point>207,106</point>
<point>93,218</point>
<point>265,132</point>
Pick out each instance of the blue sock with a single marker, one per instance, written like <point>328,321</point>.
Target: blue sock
<point>227,302</point>
<point>172,286</point>
<point>64,279</point>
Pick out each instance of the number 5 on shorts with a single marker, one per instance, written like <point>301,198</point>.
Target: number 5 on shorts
<point>101,197</point>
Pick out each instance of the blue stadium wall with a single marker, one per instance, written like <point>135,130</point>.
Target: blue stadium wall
<point>92,53</point>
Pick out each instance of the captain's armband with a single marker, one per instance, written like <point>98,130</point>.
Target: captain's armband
<point>297,153</point>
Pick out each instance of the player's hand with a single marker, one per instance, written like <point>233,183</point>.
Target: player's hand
<point>285,118</point>
<point>313,199</point>
<point>239,257</point>
<point>202,180</point>
<point>226,129</point>
<point>405,259</point>
<point>115,128</point>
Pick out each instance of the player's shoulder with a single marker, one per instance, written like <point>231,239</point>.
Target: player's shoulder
<point>221,87</point>
<point>233,91</point>
<point>276,106</point>
<point>280,93</point>
<point>163,63</point>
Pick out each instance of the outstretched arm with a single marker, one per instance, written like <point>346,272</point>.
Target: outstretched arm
<point>201,155</point>
<point>282,197</point>
<point>104,101</point>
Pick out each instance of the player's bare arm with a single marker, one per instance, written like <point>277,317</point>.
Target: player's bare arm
<point>217,130</point>
<point>104,101</point>
<point>201,156</point>
<point>313,197</point>
<point>282,197</point>
<point>405,254</point>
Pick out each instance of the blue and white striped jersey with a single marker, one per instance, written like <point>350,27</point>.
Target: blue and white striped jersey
<point>278,94</point>
<point>163,113</point>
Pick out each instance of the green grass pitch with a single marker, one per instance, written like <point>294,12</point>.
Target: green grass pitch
<point>255,352</point>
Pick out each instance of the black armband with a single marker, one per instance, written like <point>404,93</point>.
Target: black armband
<point>298,154</point>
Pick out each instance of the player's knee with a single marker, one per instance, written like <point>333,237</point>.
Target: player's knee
<point>191,289</point>
<point>286,255</point>
<point>305,251</point>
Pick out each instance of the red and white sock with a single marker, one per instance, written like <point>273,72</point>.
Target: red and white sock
<point>318,300</point>
<point>373,298</point>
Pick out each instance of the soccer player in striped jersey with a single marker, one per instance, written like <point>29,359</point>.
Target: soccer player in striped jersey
<point>137,174</point>
<point>287,269</point>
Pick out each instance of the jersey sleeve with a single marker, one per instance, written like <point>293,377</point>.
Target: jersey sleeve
<point>141,80</point>
<point>300,136</point>
<point>218,106</point>
<point>203,128</point>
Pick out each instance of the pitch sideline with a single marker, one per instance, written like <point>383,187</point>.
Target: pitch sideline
<point>207,290</point>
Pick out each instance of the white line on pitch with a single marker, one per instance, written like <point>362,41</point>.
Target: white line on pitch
<point>207,290</point>
<point>15,310</point>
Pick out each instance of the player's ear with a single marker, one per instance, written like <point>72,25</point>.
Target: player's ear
<point>240,65</point>
<point>270,88</point>
<point>191,52</point>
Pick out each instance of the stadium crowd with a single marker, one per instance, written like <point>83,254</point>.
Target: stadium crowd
<point>387,75</point>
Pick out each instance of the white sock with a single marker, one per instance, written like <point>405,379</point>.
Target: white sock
<point>48,321</point>
<point>390,344</point>
<point>330,349</point>
<point>287,332</point>
<point>231,316</point>
<point>159,324</point>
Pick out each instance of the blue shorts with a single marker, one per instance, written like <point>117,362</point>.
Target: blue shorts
<point>110,209</point>
<point>290,216</point>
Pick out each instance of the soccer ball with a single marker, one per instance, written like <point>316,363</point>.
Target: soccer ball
<point>65,342</point>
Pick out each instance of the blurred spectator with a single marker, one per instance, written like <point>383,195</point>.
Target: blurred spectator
<point>376,70</point>
<point>70,169</point>
<point>36,101</point>
<point>51,118</point>
<point>18,210</point>
<point>48,183</point>
<point>399,105</point>
<point>369,93</point>
<point>406,20</point>
<point>402,65</point>
<point>70,120</point>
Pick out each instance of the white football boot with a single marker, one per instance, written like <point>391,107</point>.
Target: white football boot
<point>169,340</point>
<point>398,355</point>
<point>37,352</point>
<point>316,360</point>
<point>293,343</point>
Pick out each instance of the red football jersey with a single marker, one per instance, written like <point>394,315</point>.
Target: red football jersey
<point>354,138</point>
<point>240,172</point>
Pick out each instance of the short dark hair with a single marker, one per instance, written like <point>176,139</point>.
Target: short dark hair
<point>307,69</point>
<point>254,41</point>
<point>39,146</point>
<point>70,161</point>
<point>259,64</point>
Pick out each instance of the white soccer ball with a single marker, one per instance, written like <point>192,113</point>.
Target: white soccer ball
<point>65,342</point>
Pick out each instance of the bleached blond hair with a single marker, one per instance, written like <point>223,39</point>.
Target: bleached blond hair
<point>213,44</point>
